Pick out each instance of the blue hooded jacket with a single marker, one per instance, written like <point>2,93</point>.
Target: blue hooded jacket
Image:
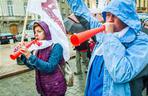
<point>125,11</point>
<point>123,58</point>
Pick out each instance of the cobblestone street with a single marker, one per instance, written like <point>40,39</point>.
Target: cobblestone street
<point>23,84</point>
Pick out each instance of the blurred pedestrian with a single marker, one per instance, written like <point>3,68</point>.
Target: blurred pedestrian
<point>82,49</point>
<point>91,47</point>
<point>119,54</point>
<point>81,57</point>
<point>49,78</point>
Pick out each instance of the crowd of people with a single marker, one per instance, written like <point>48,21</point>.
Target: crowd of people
<point>116,60</point>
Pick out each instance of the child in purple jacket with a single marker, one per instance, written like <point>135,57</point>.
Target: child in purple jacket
<point>49,78</point>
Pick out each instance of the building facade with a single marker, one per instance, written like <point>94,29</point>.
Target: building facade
<point>12,14</point>
<point>142,6</point>
<point>64,9</point>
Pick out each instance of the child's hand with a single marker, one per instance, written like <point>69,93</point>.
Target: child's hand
<point>25,51</point>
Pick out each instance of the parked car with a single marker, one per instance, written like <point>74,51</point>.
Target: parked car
<point>6,38</point>
<point>29,35</point>
<point>143,16</point>
<point>19,37</point>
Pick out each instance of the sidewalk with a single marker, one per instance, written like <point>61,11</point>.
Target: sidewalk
<point>10,67</point>
<point>24,84</point>
<point>27,80</point>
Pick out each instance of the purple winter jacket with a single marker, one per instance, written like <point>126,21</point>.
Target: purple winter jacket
<point>49,78</point>
<point>50,84</point>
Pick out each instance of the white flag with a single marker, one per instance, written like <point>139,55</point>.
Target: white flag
<point>49,12</point>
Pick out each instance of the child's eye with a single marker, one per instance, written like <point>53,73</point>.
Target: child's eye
<point>39,31</point>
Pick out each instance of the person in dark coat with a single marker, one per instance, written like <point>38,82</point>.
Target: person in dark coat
<point>82,49</point>
<point>49,78</point>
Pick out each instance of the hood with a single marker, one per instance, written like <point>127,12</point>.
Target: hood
<point>45,27</point>
<point>125,10</point>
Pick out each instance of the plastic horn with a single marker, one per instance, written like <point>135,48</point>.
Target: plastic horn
<point>79,38</point>
<point>18,53</point>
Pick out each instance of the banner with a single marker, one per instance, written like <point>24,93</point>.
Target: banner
<point>50,13</point>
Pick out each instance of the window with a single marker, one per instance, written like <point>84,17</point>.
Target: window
<point>144,3</point>
<point>10,8</point>
<point>25,6</point>
<point>63,10</point>
<point>139,3</point>
<point>63,1</point>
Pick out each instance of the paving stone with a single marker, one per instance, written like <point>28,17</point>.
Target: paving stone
<point>12,83</point>
<point>24,85</point>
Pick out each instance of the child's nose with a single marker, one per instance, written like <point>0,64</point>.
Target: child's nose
<point>35,34</point>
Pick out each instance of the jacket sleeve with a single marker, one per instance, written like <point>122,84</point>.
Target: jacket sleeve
<point>52,63</point>
<point>83,14</point>
<point>124,64</point>
<point>26,62</point>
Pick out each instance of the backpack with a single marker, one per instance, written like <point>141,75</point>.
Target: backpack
<point>139,83</point>
<point>68,74</point>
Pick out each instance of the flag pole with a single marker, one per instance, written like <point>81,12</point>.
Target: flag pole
<point>24,27</point>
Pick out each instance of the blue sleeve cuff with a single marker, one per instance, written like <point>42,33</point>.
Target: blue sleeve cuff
<point>53,60</point>
<point>26,62</point>
<point>32,59</point>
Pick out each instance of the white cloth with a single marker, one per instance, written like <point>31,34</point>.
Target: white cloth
<point>53,18</point>
<point>44,44</point>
